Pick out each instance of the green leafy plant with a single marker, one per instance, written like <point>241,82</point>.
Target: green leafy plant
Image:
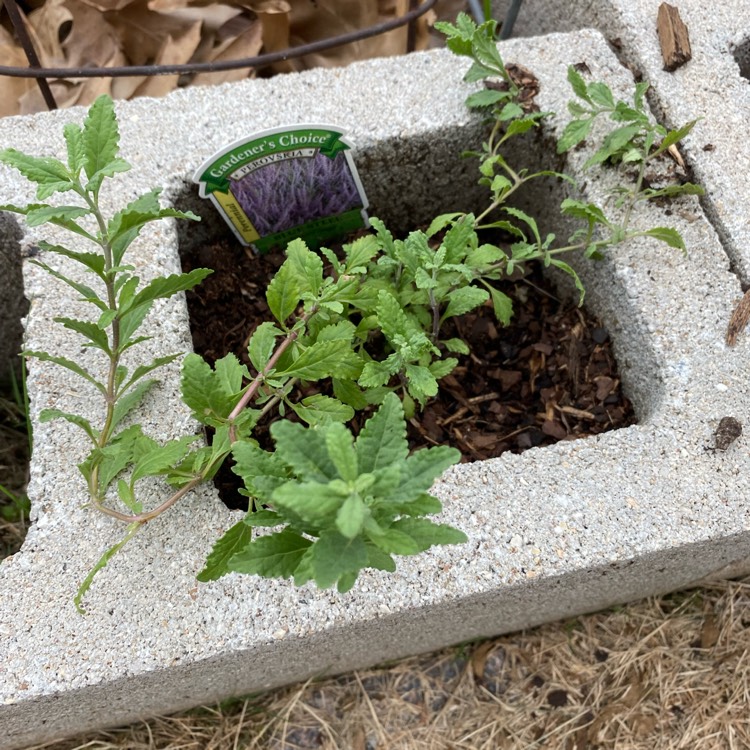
<point>360,329</point>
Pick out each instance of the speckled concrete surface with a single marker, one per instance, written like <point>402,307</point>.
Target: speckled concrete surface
<point>552,532</point>
<point>713,86</point>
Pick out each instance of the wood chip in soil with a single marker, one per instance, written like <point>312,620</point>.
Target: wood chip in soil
<point>548,376</point>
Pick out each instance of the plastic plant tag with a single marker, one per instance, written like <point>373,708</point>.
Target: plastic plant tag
<point>290,182</point>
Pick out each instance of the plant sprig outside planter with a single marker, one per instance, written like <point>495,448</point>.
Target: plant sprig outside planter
<point>334,503</point>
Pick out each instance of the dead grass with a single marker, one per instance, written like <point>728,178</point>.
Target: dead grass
<point>661,674</point>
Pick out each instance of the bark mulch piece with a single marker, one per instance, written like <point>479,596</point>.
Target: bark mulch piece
<point>548,376</point>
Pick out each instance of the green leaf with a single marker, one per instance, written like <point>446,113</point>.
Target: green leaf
<point>47,415</point>
<point>613,143</point>
<point>422,469</point>
<point>426,533</point>
<point>325,359</point>
<point>443,367</point>
<point>49,174</point>
<point>305,266</point>
<point>262,344</point>
<point>261,471</point>
<point>340,445</point>
<point>272,556</point>
<point>571,272</point>
<point>230,544</point>
<point>501,303</point>
<point>202,391</point>
<point>303,450</point>
<point>351,516</point>
<point>666,234</point>
<point>486,98</point>
<point>74,142</point>
<point>143,370</point>
<point>391,317</point>
<point>284,292</point>
<point>463,300</point>
<point>382,440</point>
<point>423,504</point>
<point>262,518</point>
<point>348,392</point>
<point>458,346</point>
<point>126,403</point>
<point>397,542</point>
<point>440,222</point>
<point>579,85</point>
<point>92,261</point>
<point>673,137</point>
<point>421,382</point>
<point>600,94</point>
<point>68,365</point>
<point>88,330</point>
<point>61,216</point>
<point>162,457</point>
<point>100,136</point>
<point>167,286</point>
<point>333,556</point>
<point>320,409</point>
<point>575,132</point>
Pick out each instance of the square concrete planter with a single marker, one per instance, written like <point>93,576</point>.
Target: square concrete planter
<point>553,532</point>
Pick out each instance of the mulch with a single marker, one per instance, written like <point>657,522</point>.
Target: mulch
<point>548,376</point>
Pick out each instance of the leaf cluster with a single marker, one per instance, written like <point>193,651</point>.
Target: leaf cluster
<point>345,504</point>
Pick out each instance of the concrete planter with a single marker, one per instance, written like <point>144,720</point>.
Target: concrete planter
<point>553,532</point>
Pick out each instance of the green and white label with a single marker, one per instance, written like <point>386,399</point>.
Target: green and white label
<point>286,183</point>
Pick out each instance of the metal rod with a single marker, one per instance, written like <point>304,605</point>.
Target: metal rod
<point>411,32</point>
<point>214,67</point>
<point>510,19</point>
<point>28,48</point>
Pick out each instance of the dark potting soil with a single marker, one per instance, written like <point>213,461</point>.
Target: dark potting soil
<point>548,376</point>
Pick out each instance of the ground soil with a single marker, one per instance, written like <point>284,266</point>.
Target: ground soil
<point>548,376</point>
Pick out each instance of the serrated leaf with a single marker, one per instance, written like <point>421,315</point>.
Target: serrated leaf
<point>348,392</point>
<point>272,556</point>
<point>458,346</point>
<point>518,127</point>
<point>397,542</point>
<point>667,234</point>
<point>325,359</point>
<point>261,471</point>
<point>88,330</point>
<point>579,85</point>
<point>382,440</point>
<point>312,502</point>
<point>575,132</point>
<point>201,392</point>
<point>161,458</point>
<point>74,143</point>
<point>440,222</point>
<point>167,286</point>
<point>61,216</point>
<point>423,504</point>
<point>600,94</point>
<point>143,370</point>
<point>320,409</point>
<point>231,543</point>
<point>463,300</point>
<point>306,267</point>
<point>442,367</point>
<point>262,344</point>
<point>284,293</point>
<point>422,469</point>
<point>391,317</point>
<point>351,516</point>
<point>68,365</point>
<point>673,137</point>
<point>340,445</point>
<point>501,304</point>
<point>262,518</point>
<point>303,450</point>
<point>48,414</point>
<point>378,559</point>
<point>334,556</point>
<point>571,272</point>
<point>421,382</point>
<point>130,400</point>
<point>49,174</point>
<point>360,252</point>
<point>613,143</point>
<point>92,261</point>
<point>100,136</point>
<point>426,533</point>
<point>486,98</point>
<point>86,292</point>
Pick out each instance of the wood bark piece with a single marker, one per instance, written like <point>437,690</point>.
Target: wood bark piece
<point>673,37</point>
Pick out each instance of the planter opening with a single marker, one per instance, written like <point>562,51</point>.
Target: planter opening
<point>741,54</point>
<point>550,375</point>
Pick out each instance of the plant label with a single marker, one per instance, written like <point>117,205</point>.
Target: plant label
<point>285,183</point>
